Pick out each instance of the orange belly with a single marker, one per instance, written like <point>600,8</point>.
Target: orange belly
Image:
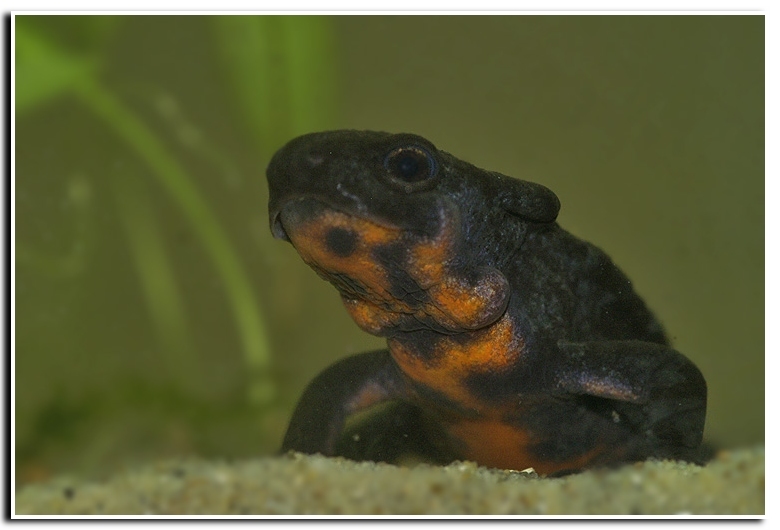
<point>492,443</point>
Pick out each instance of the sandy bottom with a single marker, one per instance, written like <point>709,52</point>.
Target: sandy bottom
<point>732,484</point>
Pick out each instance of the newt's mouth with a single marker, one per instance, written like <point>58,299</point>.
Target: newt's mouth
<point>325,234</point>
<point>303,210</point>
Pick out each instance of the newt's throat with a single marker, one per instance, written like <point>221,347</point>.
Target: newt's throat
<point>393,279</point>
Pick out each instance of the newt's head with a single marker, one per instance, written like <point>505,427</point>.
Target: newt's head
<point>409,235</point>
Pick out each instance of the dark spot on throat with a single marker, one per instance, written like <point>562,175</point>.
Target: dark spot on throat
<point>341,241</point>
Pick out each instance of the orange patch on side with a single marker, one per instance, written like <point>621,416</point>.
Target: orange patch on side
<point>493,349</point>
<point>455,304</point>
<point>472,306</point>
<point>495,444</point>
<point>428,259</point>
<point>453,297</point>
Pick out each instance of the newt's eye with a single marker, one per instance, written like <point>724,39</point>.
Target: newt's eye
<point>411,164</point>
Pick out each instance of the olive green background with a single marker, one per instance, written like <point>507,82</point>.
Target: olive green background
<point>156,316</point>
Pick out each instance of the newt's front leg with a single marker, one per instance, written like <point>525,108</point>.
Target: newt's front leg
<point>652,388</point>
<point>349,386</point>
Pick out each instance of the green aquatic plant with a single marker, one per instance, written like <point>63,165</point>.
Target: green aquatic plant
<point>279,70</point>
<point>282,72</point>
<point>202,219</point>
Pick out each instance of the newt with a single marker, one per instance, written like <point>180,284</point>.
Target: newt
<point>510,342</point>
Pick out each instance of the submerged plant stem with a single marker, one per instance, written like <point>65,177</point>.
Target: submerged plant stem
<point>170,174</point>
<point>158,280</point>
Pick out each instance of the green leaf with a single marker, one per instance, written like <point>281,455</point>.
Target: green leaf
<point>196,209</point>
<point>247,45</point>
<point>282,71</point>
<point>310,64</point>
<point>43,71</point>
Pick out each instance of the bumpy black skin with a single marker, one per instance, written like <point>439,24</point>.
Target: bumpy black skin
<point>592,379</point>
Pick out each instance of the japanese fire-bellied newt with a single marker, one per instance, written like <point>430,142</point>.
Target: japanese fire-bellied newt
<point>509,341</point>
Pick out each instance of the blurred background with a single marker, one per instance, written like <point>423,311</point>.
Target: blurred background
<point>156,316</point>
